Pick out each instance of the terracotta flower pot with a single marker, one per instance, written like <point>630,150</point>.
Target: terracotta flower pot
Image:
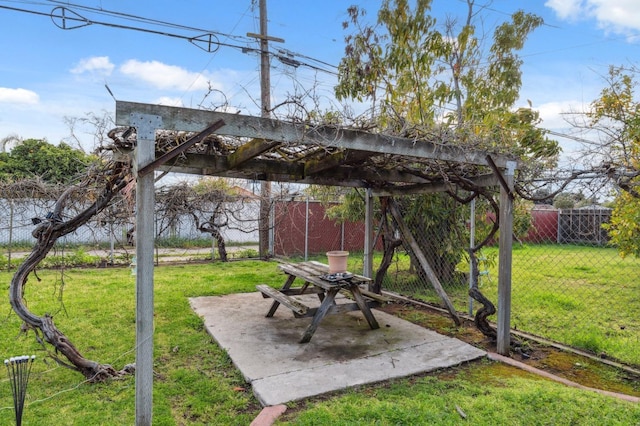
<point>337,261</point>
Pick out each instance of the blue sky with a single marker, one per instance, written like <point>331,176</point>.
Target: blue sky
<point>48,74</point>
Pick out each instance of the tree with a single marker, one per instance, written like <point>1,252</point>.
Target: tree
<point>211,203</point>
<point>567,200</point>
<point>420,76</point>
<point>624,226</point>
<point>614,117</point>
<point>38,158</point>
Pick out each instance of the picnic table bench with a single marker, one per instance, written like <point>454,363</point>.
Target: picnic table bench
<point>317,280</point>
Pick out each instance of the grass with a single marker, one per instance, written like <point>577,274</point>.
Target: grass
<point>196,383</point>
<point>482,394</point>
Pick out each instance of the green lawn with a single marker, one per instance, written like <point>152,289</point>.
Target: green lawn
<point>586,297</point>
<point>196,384</point>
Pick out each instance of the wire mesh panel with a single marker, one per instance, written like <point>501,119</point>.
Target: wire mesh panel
<point>440,232</point>
<point>302,228</point>
<point>583,225</point>
<point>568,284</point>
<point>578,290</point>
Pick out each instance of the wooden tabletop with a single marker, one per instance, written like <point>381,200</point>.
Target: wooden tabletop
<point>313,272</point>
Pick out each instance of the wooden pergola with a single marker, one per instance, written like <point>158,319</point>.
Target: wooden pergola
<point>241,146</point>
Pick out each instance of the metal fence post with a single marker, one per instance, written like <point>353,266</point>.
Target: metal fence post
<point>306,230</point>
<point>9,248</point>
<point>145,232</point>
<point>472,243</point>
<point>111,243</point>
<point>368,235</point>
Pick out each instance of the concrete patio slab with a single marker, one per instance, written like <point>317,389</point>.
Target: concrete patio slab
<point>344,352</point>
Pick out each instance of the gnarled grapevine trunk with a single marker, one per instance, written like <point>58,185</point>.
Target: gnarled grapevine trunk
<point>47,233</point>
<point>389,243</point>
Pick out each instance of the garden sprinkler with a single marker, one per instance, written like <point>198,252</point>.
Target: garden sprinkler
<point>19,369</point>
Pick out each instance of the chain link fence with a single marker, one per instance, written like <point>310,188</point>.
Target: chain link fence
<point>302,229</point>
<point>109,237</point>
<point>569,284</point>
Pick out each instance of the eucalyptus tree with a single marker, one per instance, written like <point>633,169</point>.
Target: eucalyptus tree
<point>421,74</point>
<point>417,72</point>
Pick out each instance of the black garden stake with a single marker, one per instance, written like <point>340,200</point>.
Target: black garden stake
<point>19,369</point>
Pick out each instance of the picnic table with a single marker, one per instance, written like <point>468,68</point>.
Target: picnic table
<point>316,279</point>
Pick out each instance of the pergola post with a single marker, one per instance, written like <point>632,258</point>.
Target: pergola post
<point>504,261</point>
<point>146,126</point>
<point>368,235</point>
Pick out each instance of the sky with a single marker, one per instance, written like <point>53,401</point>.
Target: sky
<point>139,51</point>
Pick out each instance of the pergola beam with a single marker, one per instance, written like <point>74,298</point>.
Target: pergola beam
<point>261,169</point>
<point>246,126</point>
<point>432,187</point>
<point>314,166</point>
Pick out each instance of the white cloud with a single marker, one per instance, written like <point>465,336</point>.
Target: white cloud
<point>554,115</point>
<point>18,96</point>
<point>163,76</point>
<point>100,65</point>
<point>618,16</point>
<point>566,9</point>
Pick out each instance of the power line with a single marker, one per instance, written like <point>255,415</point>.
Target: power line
<point>66,18</point>
<point>102,11</point>
<point>567,136</point>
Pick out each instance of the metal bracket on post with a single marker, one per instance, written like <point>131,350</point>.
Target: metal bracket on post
<point>146,126</point>
<point>145,152</point>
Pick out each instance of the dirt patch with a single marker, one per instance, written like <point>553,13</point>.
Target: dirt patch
<point>577,368</point>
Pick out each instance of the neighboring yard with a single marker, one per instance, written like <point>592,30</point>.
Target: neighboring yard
<point>196,383</point>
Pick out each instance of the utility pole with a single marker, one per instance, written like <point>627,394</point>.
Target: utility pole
<point>264,224</point>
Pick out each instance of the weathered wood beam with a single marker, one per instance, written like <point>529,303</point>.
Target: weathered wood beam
<point>422,259</point>
<point>432,187</point>
<point>329,162</point>
<point>250,150</point>
<point>238,125</point>
<point>191,120</point>
<point>218,165</point>
<point>255,169</point>
<point>265,170</point>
